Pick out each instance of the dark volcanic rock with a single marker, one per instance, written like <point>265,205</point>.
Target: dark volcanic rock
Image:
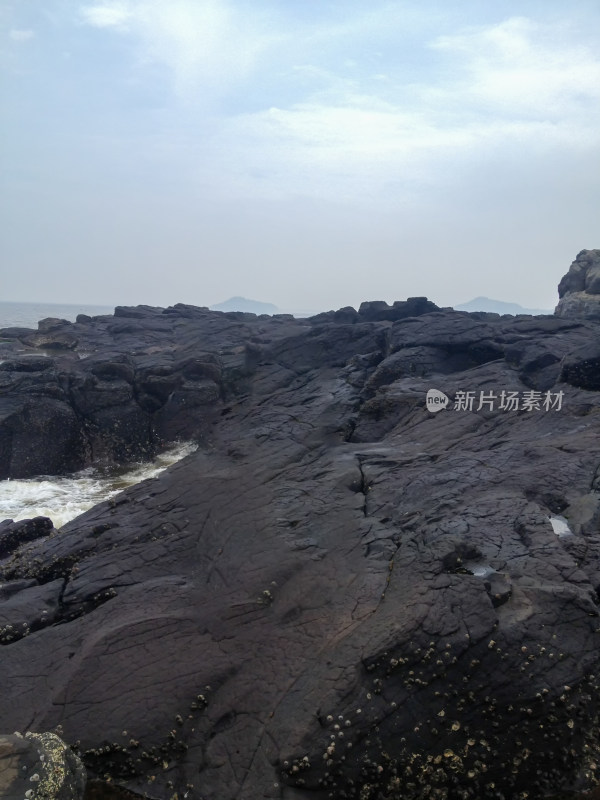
<point>340,594</point>
<point>53,339</point>
<point>138,312</point>
<point>39,766</point>
<point>377,311</point>
<point>52,323</point>
<point>579,290</point>
<point>582,367</point>
<point>138,380</point>
<point>14,534</point>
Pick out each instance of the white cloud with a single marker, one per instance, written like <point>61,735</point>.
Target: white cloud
<point>106,15</point>
<point>516,91</point>
<point>207,44</point>
<point>367,153</point>
<point>517,68</point>
<point>21,35</point>
<point>523,68</point>
<point>331,127</point>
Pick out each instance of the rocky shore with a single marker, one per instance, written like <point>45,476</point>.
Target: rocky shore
<point>344,592</point>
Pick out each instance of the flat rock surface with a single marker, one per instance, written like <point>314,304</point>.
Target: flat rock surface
<point>340,593</point>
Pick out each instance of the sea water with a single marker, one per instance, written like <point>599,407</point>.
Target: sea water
<point>27,315</point>
<point>64,498</point>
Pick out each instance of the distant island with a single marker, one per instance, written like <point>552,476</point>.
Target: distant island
<point>243,304</point>
<point>499,307</point>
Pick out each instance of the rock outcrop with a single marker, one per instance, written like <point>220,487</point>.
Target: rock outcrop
<point>39,766</point>
<point>340,593</point>
<point>579,290</point>
<point>116,389</point>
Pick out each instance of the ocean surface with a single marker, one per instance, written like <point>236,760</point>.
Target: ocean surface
<point>27,315</point>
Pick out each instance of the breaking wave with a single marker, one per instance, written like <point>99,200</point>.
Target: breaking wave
<point>64,498</point>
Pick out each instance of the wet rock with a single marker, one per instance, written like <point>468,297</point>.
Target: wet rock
<point>102,790</point>
<point>499,588</point>
<point>40,432</point>
<point>32,364</point>
<point>56,338</point>
<point>146,377</point>
<point>15,534</point>
<point>582,367</point>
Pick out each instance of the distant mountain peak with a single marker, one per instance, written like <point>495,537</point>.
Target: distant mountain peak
<point>499,307</point>
<point>243,304</point>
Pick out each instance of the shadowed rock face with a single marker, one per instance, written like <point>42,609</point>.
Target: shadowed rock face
<point>340,594</point>
<point>579,290</point>
<point>122,386</point>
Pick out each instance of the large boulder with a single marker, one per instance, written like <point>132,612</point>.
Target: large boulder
<point>579,289</point>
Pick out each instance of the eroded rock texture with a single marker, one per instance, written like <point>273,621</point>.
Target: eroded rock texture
<point>340,594</point>
<point>115,389</point>
<point>579,290</point>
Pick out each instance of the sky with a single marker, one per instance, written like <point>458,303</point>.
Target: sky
<point>308,153</point>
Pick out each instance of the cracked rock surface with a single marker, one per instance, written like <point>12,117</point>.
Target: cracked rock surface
<point>579,290</point>
<point>339,594</point>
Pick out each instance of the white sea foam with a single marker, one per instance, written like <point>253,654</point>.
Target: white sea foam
<point>64,498</point>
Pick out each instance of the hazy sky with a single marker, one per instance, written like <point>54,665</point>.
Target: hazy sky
<point>308,153</point>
